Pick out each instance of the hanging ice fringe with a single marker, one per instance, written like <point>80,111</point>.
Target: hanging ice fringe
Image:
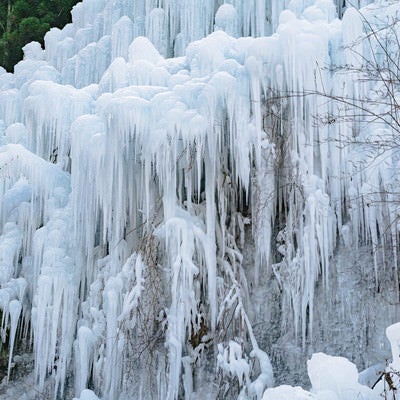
<point>160,162</point>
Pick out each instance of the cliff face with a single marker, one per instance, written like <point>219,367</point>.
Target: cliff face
<point>171,225</point>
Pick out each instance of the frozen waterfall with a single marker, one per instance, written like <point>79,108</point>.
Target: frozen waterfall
<point>191,204</point>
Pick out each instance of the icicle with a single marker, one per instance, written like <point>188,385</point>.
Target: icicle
<point>121,38</point>
<point>156,30</point>
<point>15,309</point>
<point>226,19</point>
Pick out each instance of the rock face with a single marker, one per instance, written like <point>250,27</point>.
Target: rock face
<point>185,199</point>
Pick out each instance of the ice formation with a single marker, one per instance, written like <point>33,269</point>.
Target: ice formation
<point>161,161</point>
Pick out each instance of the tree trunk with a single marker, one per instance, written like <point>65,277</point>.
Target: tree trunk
<point>8,22</point>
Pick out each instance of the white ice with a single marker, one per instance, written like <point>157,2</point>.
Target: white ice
<point>162,163</point>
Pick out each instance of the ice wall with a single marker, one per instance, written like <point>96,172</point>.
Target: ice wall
<point>145,150</point>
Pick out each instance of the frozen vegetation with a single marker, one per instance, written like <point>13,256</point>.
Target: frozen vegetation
<point>186,212</point>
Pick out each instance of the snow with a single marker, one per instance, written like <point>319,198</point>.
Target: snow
<point>285,392</point>
<point>87,395</point>
<point>393,334</point>
<point>332,378</point>
<point>166,171</point>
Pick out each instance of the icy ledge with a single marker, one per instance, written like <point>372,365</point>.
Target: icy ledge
<point>336,378</point>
